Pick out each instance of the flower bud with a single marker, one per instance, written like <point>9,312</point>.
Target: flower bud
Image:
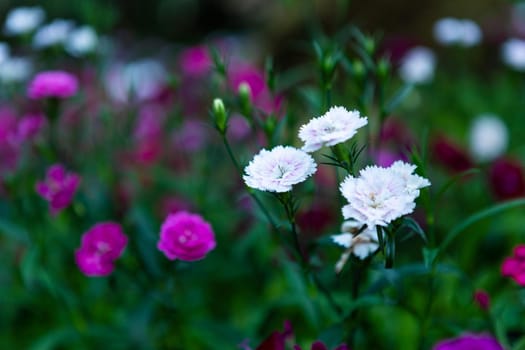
<point>245,100</point>
<point>220,116</point>
<point>383,68</point>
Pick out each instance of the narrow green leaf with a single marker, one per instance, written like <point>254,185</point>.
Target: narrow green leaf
<point>398,97</point>
<point>478,217</point>
<point>455,179</point>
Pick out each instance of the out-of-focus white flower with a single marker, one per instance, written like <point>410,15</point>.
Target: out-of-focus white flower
<point>15,70</point>
<point>513,54</point>
<point>453,31</point>
<point>360,244</point>
<point>418,65</point>
<point>54,33</point>
<point>279,169</point>
<point>82,41</point>
<point>488,137</point>
<point>4,52</point>
<point>23,20</point>
<point>141,80</point>
<point>335,126</point>
<point>381,195</point>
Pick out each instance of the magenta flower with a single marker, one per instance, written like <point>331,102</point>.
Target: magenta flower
<point>58,188</point>
<point>30,125</point>
<point>468,342</point>
<point>9,140</point>
<point>48,84</point>
<point>451,155</point>
<point>514,266</point>
<point>319,345</point>
<point>507,179</point>
<point>196,61</point>
<point>186,236</point>
<point>482,299</point>
<point>100,247</point>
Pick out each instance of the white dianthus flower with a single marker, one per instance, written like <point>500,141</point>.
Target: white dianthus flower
<point>488,137</point>
<point>381,195</point>
<point>23,20</point>
<point>335,126</point>
<point>453,31</point>
<point>15,70</point>
<point>418,65</point>
<point>82,41</point>
<point>513,54</point>
<point>362,244</point>
<point>279,169</point>
<point>54,33</point>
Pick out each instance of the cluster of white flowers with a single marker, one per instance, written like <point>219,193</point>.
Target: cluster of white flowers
<point>279,169</point>
<point>380,195</point>
<point>488,137</point>
<point>418,65</point>
<point>454,31</point>
<point>25,20</point>
<point>375,198</point>
<point>513,54</point>
<point>335,126</point>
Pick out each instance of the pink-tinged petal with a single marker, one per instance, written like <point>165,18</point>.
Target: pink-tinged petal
<point>318,345</point>
<point>519,252</point>
<point>509,267</point>
<point>520,278</point>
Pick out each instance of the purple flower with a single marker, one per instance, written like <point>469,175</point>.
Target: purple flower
<point>47,84</point>
<point>100,247</point>
<point>469,342</point>
<point>30,125</point>
<point>196,61</point>
<point>514,266</point>
<point>507,179</point>
<point>9,140</point>
<point>450,155</point>
<point>482,299</point>
<point>58,188</point>
<point>277,340</point>
<point>186,236</point>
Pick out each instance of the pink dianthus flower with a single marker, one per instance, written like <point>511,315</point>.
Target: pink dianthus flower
<point>100,247</point>
<point>186,236</point>
<point>47,84</point>
<point>58,188</point>
<point>514,266</point>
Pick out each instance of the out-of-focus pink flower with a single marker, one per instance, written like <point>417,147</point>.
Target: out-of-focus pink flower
<point>196,61</point>
<point>314,220</point>
<point>148,135</point>
<point>450,155</point>
<point>277,340</point>
<point>100,247</point>
<point>385,157</point>
<point>238,128</point>
<point>30,125</point>
<point>260,94</point>
<point>9,140</point>
<point>191,137</point>
<point>319,345</point>
<point>514,266</point>
<point>507,179</point>
<point>58,188</point>
<point>469,342</point>
<point>173,205</point>
<point>186,236</point>
<point>57,84</point>
<point>482,299</point>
